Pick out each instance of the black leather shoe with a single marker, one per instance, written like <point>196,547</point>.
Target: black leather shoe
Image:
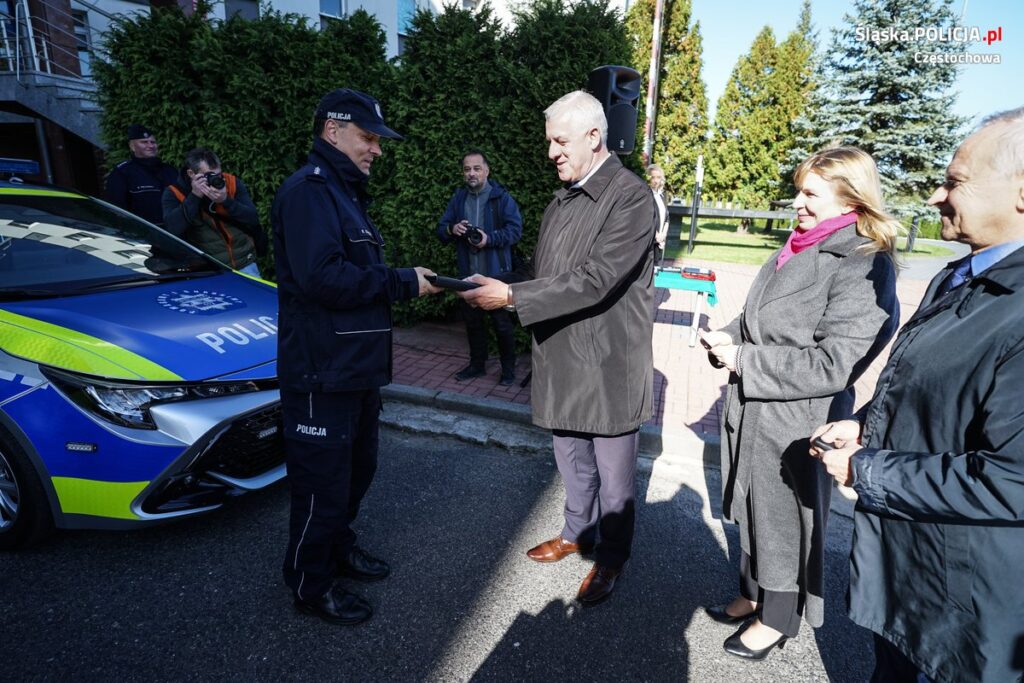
<point>508,378</point>
<point>362,566</point>
<point>598,585</point>
<point>337,606</point>
<point>469,372</point>
<point>719,614</point>
<point>734,645</point>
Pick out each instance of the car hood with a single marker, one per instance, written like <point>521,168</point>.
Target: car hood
<point>192,330</point>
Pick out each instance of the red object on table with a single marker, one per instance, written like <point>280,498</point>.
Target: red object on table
<point>699,274</point>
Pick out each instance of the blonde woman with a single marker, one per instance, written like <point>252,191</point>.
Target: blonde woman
<point>820,310</point>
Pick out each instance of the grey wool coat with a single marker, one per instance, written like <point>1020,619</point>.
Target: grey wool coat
<point>806,334</point>
<point>590,305</point>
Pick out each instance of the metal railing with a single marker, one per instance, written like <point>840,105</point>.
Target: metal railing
<point>36,45</point>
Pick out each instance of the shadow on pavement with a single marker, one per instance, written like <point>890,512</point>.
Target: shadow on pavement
<point>638,633</point>
<point>204,598</point>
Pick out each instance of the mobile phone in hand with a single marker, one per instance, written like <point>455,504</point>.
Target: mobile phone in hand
<point>822,444</point>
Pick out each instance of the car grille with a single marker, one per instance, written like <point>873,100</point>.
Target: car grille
<point>251,446</point>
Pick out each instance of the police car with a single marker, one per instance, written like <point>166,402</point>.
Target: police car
<point>138,377</point>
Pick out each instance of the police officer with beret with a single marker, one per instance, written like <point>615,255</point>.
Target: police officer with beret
<point>137,185</point>
<point>334,350</point>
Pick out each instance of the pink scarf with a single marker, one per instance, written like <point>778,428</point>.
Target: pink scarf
<point>800,240</point>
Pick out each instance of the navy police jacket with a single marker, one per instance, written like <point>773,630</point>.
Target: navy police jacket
<point>137,185</point>
<point>334,289</point>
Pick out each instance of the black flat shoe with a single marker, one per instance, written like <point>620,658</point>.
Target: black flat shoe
<point>336,606</point>
<point>719,614</point>
<point>362,566</point>
<point>734,646</point>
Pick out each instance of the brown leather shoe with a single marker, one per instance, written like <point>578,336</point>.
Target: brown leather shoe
<point>554,550</point>
<point>598,585</point>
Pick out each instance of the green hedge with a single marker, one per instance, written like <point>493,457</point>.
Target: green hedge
<point>464,83</point>
<point>929,229</point>
<point>247,89</point>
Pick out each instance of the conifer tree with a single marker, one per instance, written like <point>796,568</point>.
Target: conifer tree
<point>741,164</point>
<point>681,115</point>
<point>881,97</point>
<point>793,83</point>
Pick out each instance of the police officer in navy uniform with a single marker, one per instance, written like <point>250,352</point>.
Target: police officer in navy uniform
<point>137,185</point>
<point>334,350</point>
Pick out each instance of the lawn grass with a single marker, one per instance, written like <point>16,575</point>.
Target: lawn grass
<point>718,241</point>
<point>924,249</point>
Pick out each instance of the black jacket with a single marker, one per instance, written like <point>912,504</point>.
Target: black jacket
<point>137,185</point>
<point>334,289</point>
<point>938,544</point>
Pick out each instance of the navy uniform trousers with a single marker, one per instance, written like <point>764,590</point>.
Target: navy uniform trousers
<point>331,444</point>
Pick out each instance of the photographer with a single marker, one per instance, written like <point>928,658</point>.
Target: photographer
<point>212,210</point>
<point>483,221</point>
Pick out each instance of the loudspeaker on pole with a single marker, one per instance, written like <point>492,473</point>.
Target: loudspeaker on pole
<point>617,88</point>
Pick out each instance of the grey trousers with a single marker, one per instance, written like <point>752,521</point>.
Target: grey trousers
<point>599,473</point>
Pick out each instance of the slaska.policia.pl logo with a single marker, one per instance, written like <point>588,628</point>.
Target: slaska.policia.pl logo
<point>199,302</point>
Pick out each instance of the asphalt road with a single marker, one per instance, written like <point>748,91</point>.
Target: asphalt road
<point>203,599</point>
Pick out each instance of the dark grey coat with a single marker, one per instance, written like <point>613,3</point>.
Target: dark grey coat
<point>807,333</point>
<point>938,545</point>
<point>590,306</point>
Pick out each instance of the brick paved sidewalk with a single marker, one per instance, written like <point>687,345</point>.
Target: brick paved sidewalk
<point>688,392</point>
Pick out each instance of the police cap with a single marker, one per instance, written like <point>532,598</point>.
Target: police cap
<point>352,106</point>
<point>137,131</point>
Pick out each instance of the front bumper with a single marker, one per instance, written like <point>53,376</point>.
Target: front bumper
<point>236,446</point>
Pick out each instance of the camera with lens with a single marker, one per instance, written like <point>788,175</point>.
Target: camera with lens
<point>473,235</point>
<point>214,180</point>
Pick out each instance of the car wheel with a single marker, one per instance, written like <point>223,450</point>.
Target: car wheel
<point>24,511</point>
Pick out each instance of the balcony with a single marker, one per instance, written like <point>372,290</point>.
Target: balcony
<point>45,50</point>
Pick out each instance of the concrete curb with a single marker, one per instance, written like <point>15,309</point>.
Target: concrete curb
<point>510,426</point>
<point>654,441</point>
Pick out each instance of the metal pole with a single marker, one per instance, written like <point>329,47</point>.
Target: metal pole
<point>44,151</point>
<point>912,236</point>
<point>652,83</point>
<point>696,203</point>
<point>668,217</point>
<point>31,36</point>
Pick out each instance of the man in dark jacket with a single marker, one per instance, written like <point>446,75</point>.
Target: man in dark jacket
<point>334,350</point>
<point>589,306</point>
<point>137,184</point>
<point>483,220</point>
<point>213,211</point>
<point>938,541</point>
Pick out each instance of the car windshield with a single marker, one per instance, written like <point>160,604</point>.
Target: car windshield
<point>55,243</point>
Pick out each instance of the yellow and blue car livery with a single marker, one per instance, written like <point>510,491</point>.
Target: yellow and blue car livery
<point>138,377</point>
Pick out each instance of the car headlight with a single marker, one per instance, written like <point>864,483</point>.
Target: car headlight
<point>128,404</point>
